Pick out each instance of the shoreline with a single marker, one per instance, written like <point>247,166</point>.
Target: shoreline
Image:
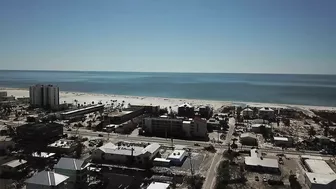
<point>70,96</point>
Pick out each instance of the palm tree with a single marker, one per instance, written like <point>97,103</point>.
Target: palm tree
<point>76,102</point>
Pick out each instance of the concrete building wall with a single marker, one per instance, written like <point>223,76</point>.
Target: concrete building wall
<point>199,128</point>
<point>44,96</point>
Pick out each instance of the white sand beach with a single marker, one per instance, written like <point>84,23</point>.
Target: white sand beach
<point>69,97</point>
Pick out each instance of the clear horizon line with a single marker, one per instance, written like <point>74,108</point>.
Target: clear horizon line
<point>125,71</point>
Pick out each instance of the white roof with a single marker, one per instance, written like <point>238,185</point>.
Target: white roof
<point>265,162</point>
<point>322,179</point>
<point>15,163</point>
<point>111,148</point>
<point>158,185</point>
<point>318,166</point>
<point>311,157</point>
<point>281,139</point>
<point>186,122</point>
<point>248,110</point>
<point>177,155</point>
<point>47,178</point>
<point>162,160</point>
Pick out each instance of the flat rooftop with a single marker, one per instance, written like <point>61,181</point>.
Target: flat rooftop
<point>15,163</point>
<point>158,185</point>
<point>127,149</point>
<point>284,139</point>
<point>319,166</point>
<point>322,179</point>
<point>177,154</point>
<point>83,109</point>
<point>265,162</point>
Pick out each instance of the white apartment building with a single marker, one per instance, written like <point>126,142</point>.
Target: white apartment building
<point>46,96</point>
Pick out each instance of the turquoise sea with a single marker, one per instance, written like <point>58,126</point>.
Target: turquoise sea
<point>269,88</point>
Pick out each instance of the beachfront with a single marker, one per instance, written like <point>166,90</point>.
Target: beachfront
<point>88,98</point>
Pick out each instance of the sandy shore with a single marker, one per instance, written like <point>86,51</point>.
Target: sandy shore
<point>69,97</point>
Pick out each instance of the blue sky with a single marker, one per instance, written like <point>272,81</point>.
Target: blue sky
<point>259,36</point>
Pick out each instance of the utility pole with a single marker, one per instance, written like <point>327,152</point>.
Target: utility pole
<point>191,169</point>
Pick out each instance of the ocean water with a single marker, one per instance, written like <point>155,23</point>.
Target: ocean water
<point>270,88</point>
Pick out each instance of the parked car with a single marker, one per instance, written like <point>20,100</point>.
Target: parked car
<point>100,135</point>
<point>196,144</point>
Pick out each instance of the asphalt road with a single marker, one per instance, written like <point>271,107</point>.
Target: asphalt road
<point>210,179</point>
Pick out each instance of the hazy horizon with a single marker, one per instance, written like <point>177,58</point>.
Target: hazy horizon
<point>192,36</point>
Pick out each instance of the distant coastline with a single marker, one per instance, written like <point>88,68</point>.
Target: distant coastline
<point>311,90</point>
<point>70,96</point>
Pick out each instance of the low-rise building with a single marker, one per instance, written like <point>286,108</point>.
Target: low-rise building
<point>75,169</point>
<point>63,146</point>
<point>319,175</point>
<point>161,162</point>
<point>122,116</point>
<point>283,141</point>
<point>213,124</point>
<point>13,166</point>
<point>266,113</point>
<point>248,139</point>
<point>47,180</point>
<point>318,166</point>
<point>126,153</point>
<point>158,185</point>
<point>257,128</point>
<point>320,181</point>
<point>177,157</point>
<point>260,164</point>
